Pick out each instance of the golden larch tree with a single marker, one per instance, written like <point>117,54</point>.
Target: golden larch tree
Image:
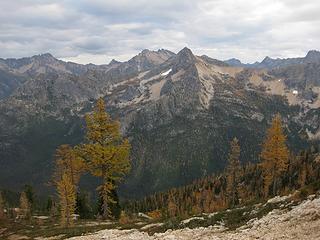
<point>67,197</point>
<point>172,207</point>
<point>68,162</point>
<point>105,152</point>
<point>68,169</point>
<point>208,195</point>
<point>233,172</point>
<point>25,207</point>
<point>274,156</point>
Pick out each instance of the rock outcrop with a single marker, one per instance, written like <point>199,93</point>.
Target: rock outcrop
<point>299,223</point>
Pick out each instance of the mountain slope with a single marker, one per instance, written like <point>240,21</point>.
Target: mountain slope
<point>179,111</point>
<point>300,222</point>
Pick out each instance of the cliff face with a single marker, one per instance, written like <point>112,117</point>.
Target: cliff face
<point>179,111</point>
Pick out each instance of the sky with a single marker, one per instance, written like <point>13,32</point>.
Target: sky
<point>96,31</point>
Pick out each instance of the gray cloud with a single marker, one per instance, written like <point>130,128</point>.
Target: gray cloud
<point>99,30</point>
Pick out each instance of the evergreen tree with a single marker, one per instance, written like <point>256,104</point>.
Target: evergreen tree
<point>274,155</point>
<point>83,205</point>
<point>105,151</point>
<point>49,204</point>
<point>54,210</point>
<point>233,172</point>
<point>2,214</point>
<point>303,169</point>
<point>30,196</point>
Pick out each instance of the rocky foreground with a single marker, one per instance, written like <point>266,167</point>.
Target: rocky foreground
<point>301,222</point>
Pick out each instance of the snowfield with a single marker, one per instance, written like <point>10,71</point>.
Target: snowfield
<point>301,222</point>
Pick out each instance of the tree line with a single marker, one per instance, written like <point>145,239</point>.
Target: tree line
<point>277,172</point>
<point>105,154</point>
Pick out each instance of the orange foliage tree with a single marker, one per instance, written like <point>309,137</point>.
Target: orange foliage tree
<point>274,155</point>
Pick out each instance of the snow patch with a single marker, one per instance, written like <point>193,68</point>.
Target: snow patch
<point>191,219</point>
<point>152,225</point>
<point>166,72</point>
<point>210,215</point>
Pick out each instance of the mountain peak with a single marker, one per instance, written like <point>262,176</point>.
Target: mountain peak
<point>147,58</point>
<point>145,51</point>
<point>114,62</point>
<point>213,61</point>
<point>185,51</point>
<point>233,62</point>
<point>185,56</point>
<point>313,55</point>
<point>44,56</point>
<point>267,59</point>
<point>166,52</point>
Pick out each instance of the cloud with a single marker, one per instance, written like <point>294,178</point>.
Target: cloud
<point>99,30</point>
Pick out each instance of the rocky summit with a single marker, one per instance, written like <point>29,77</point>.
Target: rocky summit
<point>179,112</point>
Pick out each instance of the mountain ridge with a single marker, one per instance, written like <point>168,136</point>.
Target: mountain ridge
<point>311,57</point>
<point>178,110</point>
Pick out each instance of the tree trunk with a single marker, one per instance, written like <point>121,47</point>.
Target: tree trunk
<point>234,190</point>
<point>105,207</point>
<point>67,209</point>
<point>274,188</point>
<point>104,194</point>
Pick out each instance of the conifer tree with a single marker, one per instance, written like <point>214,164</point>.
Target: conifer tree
<point>67,196</point>
<point>105,151</point>
<point>30,196</point>
<point>233,172</point>
<point>274,155</point>
<point>207,200</point>
<point>172,207</point>
<point>69,167</point>
<point>2,214</point>
<point>25,205</point>
<point>83,205</point>
<point>303,168</point>
<point>49,204</point>
<point>54,210</point>
<point>68,162</point>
